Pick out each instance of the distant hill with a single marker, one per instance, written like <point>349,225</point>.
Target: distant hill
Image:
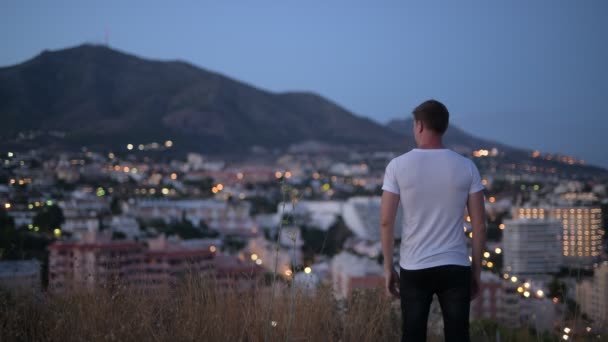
<point>102,97</point>
<point>94,96</point>
<point>454,137</point>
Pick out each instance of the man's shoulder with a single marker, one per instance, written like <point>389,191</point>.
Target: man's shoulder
<point>460,157</point>
<point>401,158</point>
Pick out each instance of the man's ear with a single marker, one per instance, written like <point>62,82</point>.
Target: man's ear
<point>419,126</point>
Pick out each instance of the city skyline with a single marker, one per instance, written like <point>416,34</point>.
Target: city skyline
<point>512,72</point>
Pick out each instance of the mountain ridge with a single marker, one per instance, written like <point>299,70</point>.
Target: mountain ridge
<point>98,94</point>
<point>107,98</point>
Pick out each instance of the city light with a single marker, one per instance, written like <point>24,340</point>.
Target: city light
<point>287,174</point>
<point>57,232</point>
<point>278,174</point>
<point>258,262</point>
<point>486,254</point>
<point>490,264</point>
<point>10,154</point>
<point>565,337</point>
<point>527,285</point>
<point>540,293</point>
<point>481,153</point>
<point>526,294</point>
<point>240,175</point>
<point>174,176</point>
<point>212,249</point>
<point>165,191</point>
<point>7,205</point>
<point>501,226</point>
<point>168,143</point>
<point>214,190</point>
<point>492,199</point>
<point>129,147</point>
<point>307,270</point>
<point>220,187</point>
<point>520,289</point>
<point>498,250</point>
<point>254,257</point>
<point>514,279</point>
<point>288,273</point>
<point>567,330</point>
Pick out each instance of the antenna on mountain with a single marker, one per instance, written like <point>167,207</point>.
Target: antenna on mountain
<point>107,37</point>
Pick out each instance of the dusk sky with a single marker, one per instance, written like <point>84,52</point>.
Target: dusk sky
<point>531,74</point>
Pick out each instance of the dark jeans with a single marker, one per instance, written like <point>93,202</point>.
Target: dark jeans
<point>452,285</point>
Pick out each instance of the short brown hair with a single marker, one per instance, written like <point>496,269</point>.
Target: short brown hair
<point>433,114</point>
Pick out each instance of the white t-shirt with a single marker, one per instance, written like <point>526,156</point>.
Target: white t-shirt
<point>433,186</point>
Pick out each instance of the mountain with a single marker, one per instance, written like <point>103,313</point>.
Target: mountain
<point>96,96</point>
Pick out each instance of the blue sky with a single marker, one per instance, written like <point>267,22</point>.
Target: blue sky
<point>527,73</point>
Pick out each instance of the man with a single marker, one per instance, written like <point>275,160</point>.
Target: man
<point>433,184</point>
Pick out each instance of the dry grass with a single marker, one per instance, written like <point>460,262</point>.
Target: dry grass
<point>197,310</point>
<point>201,310</point>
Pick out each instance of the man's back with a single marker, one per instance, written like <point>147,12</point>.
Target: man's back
<point>433,185</point>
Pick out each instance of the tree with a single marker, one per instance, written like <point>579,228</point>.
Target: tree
<point>313,240</point>
<point>328,243</point>
<point>557,289</point>
<point>118,236</point>
<point>49,218</point>
<point>115,208</point>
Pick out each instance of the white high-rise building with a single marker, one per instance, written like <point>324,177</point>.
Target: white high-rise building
<point>581,230</point>
<point>531,246</point>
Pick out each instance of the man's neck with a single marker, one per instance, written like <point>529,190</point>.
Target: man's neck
<point>431,145</point>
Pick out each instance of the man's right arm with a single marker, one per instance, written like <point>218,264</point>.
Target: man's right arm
<point>475,206</point>
<point>388,211</point>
